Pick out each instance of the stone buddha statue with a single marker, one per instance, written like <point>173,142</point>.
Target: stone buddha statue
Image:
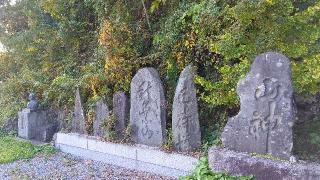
<point>33,103</point>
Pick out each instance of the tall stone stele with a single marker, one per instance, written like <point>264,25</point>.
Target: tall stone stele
<point>264,123</point>
<point>121,112</point>
<point>101,118</point>
<point>78,121</point>
<point>185,118</point>
<point>148,110</point>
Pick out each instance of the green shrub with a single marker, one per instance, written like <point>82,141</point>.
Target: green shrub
<point>204,172</point>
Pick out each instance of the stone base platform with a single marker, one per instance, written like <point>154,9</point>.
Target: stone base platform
<point>135,157</point>
<point>263,168</point>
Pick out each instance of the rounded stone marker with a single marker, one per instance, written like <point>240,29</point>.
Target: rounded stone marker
<point>147,112</point>
<point>264,123</point>
<point>185,118</point>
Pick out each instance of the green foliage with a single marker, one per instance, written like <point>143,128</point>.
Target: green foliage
<point>234,33</point>
<point>12,149</point>
<point>156,4</point>
<point>110,126</point>
<point>55,46</point>
<point>204,172</point>
<point>168,145</point>
<point>44,150</point>
<point>307,140</point>
<point>52,50</point>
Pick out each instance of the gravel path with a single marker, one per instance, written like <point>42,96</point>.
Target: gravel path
<point>64,166</point>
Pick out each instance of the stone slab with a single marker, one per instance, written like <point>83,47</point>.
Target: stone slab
<point>112,148</point>
<point>122,162</point>
<point>176,161</point>
<point>121,110</point>
<point>148,112</point>
<point>101,117</point>
<point>143,158</point>
<point>72,139</point>
<point>239,163</point>
<point>78,120</point>
<point>264,123</point>
<point>185,117</point>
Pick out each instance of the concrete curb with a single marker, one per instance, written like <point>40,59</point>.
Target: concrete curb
<point>134,157</point>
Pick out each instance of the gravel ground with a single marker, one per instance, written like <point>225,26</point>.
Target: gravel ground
<point>64,166</point>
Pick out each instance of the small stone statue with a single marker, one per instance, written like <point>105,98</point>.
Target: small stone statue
<point>33,103</point>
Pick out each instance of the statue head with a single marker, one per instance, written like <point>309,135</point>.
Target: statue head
<point>33,103</point>
<point>32,96</point>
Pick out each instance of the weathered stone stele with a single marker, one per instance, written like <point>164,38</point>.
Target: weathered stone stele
<point>78,121</point>
<point>264,123</point>
<point>147,112</point>
<point>185,118</point>
<point>121,112</point>
<point>101,117</point>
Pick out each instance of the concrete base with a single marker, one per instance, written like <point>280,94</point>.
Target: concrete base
<point>236,163</point>
<point>132,157</point>
<point>37,125</point>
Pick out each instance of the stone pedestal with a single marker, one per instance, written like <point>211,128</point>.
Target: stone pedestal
<point>36,125</point>
<point>263,167</point>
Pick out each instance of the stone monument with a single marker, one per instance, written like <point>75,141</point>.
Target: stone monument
<point>264,123</point>
<point>121,112</point>
<point>147,112</point>
<point>78,121</point>
<point>101,117</point>
<point>185,118</point>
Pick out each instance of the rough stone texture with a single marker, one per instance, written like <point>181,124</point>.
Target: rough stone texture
<point>11,125</point>
<point>147,112</point>
<point>33,103</point>
<point>78,121</point>
<point>185,118</point>
<point>264,123</point>
<point>121,112</point>
<point>235,163</point>
<point>38,125</point>
<point>101,116</point>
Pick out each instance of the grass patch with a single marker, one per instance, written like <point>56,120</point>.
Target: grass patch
<point>12,149</point>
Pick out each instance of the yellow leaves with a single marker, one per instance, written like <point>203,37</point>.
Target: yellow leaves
<point>306,75</point>
<point>190,41</point>
<point>189,44</point>
<point>31,49</point>
<point>105,34</point>
<point>271,2</point>
<point>119,72</point>
<point>52,7</point>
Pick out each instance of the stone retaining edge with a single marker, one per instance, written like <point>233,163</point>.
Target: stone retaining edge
<point>239,163</point>
<point>134,157</point>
